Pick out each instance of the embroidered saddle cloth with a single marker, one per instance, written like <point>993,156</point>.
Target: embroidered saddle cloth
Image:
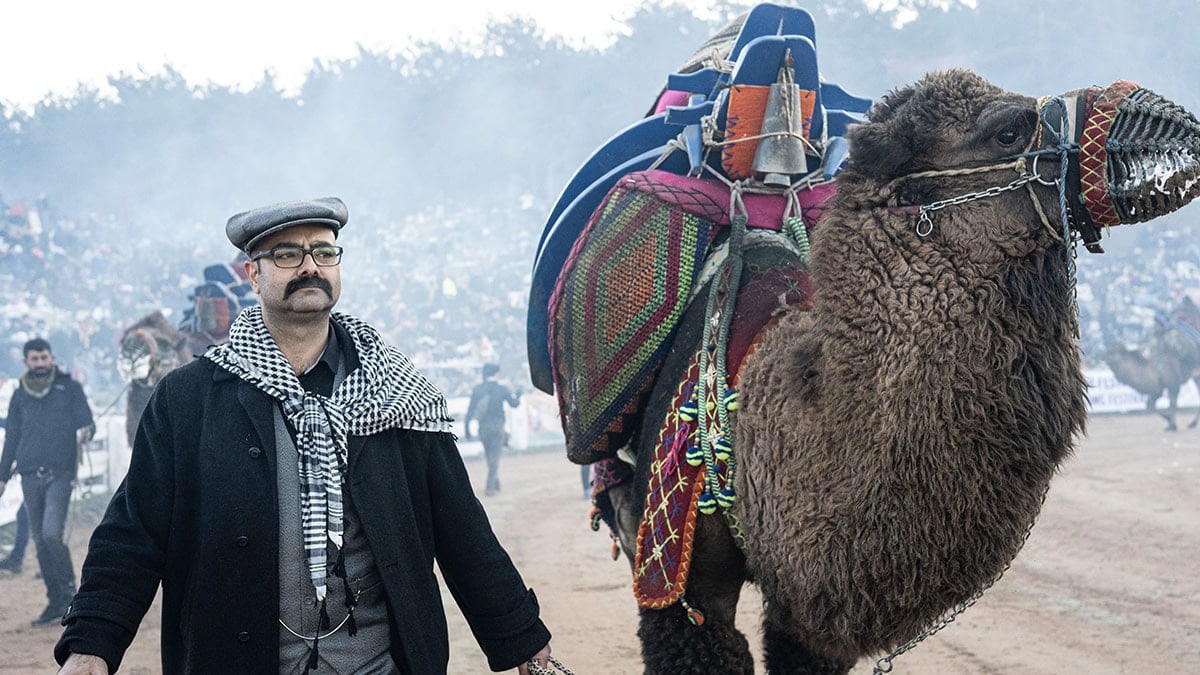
<point>618,300</point>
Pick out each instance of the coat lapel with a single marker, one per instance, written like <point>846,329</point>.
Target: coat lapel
<point>258,408</point>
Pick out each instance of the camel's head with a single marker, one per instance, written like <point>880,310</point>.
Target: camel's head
<point>1130,155</point>
<point>135,361</point>
<point>148,350</point>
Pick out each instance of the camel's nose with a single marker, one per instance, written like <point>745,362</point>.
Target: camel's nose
<point>1139,153</point>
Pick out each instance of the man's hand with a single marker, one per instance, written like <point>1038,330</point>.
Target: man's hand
<point>83,664</point>
<point>542,658</point>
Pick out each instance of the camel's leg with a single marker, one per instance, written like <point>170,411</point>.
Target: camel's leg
<point>671,644</point>
<point>1152,408</point>
<point>628,514</point>
<point>1172,405</point>
<point>788,654</point>
<point>1192,424</point>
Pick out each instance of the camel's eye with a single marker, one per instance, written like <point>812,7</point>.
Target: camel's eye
<point>1011,135</point>
<point>1014,133</point>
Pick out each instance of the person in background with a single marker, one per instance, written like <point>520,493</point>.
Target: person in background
<point>487,406</point>
<point>48,419</point>
<point>291,491</point>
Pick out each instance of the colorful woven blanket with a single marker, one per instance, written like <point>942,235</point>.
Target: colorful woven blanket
<point>618,300</point>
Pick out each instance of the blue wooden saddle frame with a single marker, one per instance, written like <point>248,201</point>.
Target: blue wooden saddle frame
<point>673,141</point>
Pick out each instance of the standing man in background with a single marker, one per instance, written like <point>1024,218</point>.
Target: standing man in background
<point>48,419</point>
<point>291,491</point>
<point>487,406</point>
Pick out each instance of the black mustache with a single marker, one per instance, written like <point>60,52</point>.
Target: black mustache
<point>308,282</point>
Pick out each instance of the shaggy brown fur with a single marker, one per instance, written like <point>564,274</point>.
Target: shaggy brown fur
<point>894,443</point>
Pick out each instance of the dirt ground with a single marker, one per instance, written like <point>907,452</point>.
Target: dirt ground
<point>1108,582</point>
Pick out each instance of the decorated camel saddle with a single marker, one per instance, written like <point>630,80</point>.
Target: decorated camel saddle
<point>661,215</point>
<point>677,259</point>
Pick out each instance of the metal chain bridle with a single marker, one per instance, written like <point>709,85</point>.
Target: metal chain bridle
<point>925,222</point>
<point>555,668</point>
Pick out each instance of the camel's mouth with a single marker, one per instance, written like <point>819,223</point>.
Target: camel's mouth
<point>134,367</point>
<point>1138,154</point>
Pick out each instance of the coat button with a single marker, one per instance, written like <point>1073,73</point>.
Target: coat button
<point>243,637</point>
<point>254,453</point>
<point>243,542</point>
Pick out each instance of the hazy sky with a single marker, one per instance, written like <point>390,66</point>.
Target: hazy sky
<point>50,46</point>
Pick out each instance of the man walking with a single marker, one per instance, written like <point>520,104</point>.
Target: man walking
<point>48,419</point>
<point>487,406</point>
<point>291,491</point>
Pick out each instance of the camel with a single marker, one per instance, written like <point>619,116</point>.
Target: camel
<point>1150,372</point>
<point>897,422</point>
<point>1166,363</point>
<point>150,348</point>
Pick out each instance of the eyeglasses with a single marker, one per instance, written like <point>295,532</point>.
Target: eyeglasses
<point>289,257</point>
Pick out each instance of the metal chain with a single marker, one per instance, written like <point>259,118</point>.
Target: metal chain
<point>556,667</point>
<point>925,223</point>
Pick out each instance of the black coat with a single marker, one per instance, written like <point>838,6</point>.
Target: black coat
<point>198,511</point>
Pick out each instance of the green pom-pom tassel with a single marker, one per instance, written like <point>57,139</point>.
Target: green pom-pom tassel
<point>731,399</point>
<point>723,449</point>
<point>707,505</point>
<point>688,411</point>
<point>694,456</point>
<point>726,497</point>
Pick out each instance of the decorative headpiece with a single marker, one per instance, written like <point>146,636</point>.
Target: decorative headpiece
<point>1139,154</point>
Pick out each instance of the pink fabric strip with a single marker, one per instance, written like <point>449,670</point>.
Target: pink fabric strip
<point>670,97</point>
<point>765,211</point>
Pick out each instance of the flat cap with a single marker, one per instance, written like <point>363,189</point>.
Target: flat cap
<point>247,228</point>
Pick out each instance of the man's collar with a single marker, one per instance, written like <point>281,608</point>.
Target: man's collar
<point>332,353</point>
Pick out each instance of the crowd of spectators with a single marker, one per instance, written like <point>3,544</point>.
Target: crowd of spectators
<point>1146,271</point>
<point>448,287</point>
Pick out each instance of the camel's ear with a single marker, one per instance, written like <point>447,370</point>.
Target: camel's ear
<point>885,143</point>
<point>879,149</point>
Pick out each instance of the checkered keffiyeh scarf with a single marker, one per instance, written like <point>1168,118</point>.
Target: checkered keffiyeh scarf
<point>385,392</point>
